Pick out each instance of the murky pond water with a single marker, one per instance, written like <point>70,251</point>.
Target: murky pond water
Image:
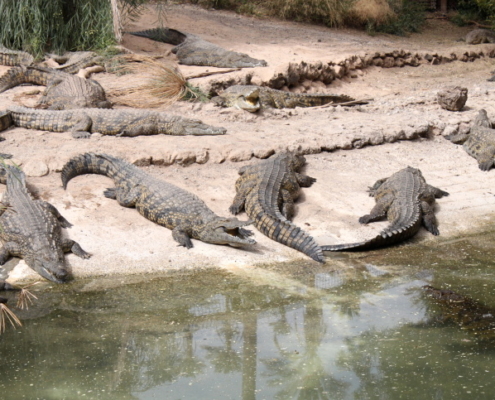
<point>359,327</point>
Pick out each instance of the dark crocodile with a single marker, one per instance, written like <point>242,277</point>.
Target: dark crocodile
<point>406,200</point>
<point>266,191</point>
<point>82,122</point>
<point>252,98</point>
<point>31,229</point>
<point>63,91</point>
<point>463,311</point>
<point>479,142</point>
<point>14,57</point>
<point>161,202</point>
<point>192,50</point>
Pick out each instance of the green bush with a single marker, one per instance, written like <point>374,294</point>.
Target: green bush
<point>409,17</point>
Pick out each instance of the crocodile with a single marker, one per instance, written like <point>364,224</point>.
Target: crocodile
<point>82,122</point>
<point>406,200</point>
<point>266,191</point>
<point>160,202</point>
<point>192,50</point>
<point>467,313</point>
<point>31,229</point>
<point>479,143</point>
<point>72,62</point>
<point>252,98</point>
<point>63,90</point>
<point>479,36</point>
<point>14,57</point>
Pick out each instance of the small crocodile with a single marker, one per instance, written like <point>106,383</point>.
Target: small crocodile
<point>81,122</point>
<point>467,313</point>
<point>31,229</point>
<point>72,62</point>
<point>14,57</point>
<point>478,36</point>
<point>479,143</point>
<point>252,98</point>
<point>161,202</point>
<point>406,200</point>
<point>63,91</point>
<point>266,191</point>
<point>192,50</point>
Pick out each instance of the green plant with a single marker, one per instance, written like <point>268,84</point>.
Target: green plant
<point>409,17</point>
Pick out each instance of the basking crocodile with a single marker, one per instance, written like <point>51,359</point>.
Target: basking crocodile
<point>14,57</point>
<point>72,62</point>
<point>192,50</point>
<point>467,313</point>
<point>478,36</point>
<point>251,98</point>
<point>63,91</point>
<point>30,229</point>
<point>479,142</point>
<point>161,202</point>
<point>266,191</point>
<point>406,200</point>
<point>81,122</point>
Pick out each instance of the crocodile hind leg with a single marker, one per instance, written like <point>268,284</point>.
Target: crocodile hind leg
<point>436,192</point>
<point>9,249</point>
<point>52,209</point>
<point>181,237</point>
<point>82,129</point>
<point>287,208</point>
<point>305,180</point>
<point>69,245</point>
<point>429,220</point>
<point>486,158</point>
<point>238,203</point>
<point>126,198</point>
<point>379,211</point>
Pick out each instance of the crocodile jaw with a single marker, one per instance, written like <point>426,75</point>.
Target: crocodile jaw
<point>52,270</point>
<point>227,231</point>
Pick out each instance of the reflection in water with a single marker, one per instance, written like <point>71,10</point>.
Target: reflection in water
<point>361,329</point>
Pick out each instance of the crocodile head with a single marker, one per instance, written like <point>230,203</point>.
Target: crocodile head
<point>51,267</point>
<point>227,231</point>
<point>242,97</point>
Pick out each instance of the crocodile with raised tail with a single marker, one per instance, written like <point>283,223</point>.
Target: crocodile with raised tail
<point>266,191</point>
<point>406,200</point>
<point>252,98</point>
<point>161,202</point>
<point>31,229</point>
<point>192,50</point>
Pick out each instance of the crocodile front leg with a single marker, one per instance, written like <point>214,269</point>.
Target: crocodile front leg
<point>486,158</point>
<point>304,180</point>
<point>429,220</point>
<point>181,237</point>
<point>238,203</point>
<point>9,249</point>
<point>69,245</point>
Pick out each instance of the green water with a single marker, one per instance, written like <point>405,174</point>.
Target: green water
<point>359,327</point>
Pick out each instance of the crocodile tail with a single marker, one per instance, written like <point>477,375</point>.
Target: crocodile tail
<point>88,163</point>
<point>385,238</point>
<point>290,235</point>
<point>165,35</point>
<point>21,74</point>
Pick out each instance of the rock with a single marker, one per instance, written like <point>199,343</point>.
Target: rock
<point>452,98</point>
<point>35,168</point>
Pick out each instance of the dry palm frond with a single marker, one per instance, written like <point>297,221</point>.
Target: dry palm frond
<point>164,84</point>
<point>26,297</point>
<point>7,315</point>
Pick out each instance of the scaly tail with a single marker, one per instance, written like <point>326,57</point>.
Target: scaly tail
<point>88,163</point>
<point>164,35</point>
<point>289,234</point>
<point>22,74</point>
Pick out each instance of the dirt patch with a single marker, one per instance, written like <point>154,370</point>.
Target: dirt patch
<point>402,126</point>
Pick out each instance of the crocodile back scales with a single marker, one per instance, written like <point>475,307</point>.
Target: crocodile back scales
<point>262,205</point>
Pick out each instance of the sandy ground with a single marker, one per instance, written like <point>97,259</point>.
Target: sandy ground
<point>404,106</point>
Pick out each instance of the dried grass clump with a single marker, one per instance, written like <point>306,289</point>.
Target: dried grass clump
<point>364,12</point>
<point>164,84</point>
<point>7,315</point>
<point>328,12</point>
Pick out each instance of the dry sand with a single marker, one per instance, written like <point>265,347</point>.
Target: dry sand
<point>404,106</point>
